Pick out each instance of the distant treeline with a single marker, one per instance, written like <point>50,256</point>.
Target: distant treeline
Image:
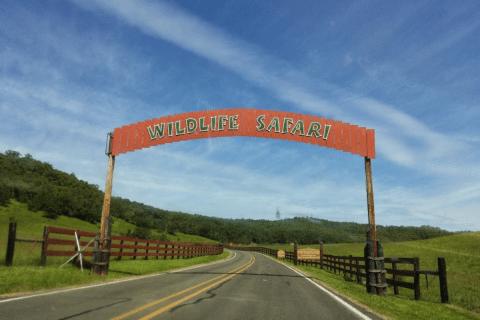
<point>56,193</point>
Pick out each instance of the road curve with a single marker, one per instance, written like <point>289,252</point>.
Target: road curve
<point>247,286</point>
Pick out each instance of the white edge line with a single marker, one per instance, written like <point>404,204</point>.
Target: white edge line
<point>354,310</point>
<point>115,282</point>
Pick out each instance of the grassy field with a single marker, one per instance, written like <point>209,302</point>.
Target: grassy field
<point>462,258</point>
<point>25,274</point>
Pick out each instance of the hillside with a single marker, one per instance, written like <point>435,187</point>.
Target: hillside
<point>56,194</point>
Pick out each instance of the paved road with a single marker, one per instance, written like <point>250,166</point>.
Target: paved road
<point>247,286</point>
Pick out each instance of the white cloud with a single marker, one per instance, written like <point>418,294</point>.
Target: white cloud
<point>170,23</point>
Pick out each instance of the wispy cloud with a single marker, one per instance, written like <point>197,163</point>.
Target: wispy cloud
<point>168,22</point>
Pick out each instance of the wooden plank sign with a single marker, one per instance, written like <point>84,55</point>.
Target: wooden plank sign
<point>247,123</point>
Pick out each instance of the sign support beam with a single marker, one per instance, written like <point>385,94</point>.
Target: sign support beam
<point>106,204</point>
<point>371,223</point>
<point>370,203</point>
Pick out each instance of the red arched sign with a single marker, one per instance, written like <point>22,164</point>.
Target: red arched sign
<point>247,123</point>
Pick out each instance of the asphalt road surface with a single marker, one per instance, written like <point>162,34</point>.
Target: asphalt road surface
<point>246,286</point>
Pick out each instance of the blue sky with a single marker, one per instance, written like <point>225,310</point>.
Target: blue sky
<point>72,71</point>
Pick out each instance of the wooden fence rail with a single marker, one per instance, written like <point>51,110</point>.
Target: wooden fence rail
<point>263,250</point>
<point>120,247</point>
<point>353,269</point>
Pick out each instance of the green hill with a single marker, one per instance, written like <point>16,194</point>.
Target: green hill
<point>58,194</point>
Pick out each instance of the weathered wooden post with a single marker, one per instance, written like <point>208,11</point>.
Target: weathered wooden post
<point>76,250</point>
<point>373,263</point>
<point>107,200</point>
<point>43,258</point>
<point>442,274</point>
<point>158,246</point>
<point>369,263</point>
<point>12,232</point>
<point>106,246</point>
<point>416,277</point>
<point>321,255</point>
<point>135,251</point>
<point>395,278</point>
<point>120,251</point>
<point>295,253</point>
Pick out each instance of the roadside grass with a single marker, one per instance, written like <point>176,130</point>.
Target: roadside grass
<point>27,275</point>
<point>22,279</point>
<point>396,307</point>
<point>30,225</point>
<point>463,276</point>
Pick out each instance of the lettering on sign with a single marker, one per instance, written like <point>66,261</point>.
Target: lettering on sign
<point>245,122</point>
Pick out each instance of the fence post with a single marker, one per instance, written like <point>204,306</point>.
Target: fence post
<point>135,251</point>
<point>295,252</point>
<point>350,267</point>
<point>165,252</point>
<point>442,275</point>
<point>43,258</point>
<point>146,251</point>
<point>416,281</point>
<point>357,270</point>
<point>321,255</point>
<point>12,231</point>
<point>395,278</point>
<point>76,250</point>
<point>121,250</point>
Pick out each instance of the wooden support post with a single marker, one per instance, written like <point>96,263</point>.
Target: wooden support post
<point>43,258</point>
<point>107,199</point>
<point>369,263</point>
<point>442,274</point>
<point>165,252</point>
<point>370,203</point>
<point>107,242</point>
<point>371,218</point>
<point>12,232</point>
<point>146,251</point>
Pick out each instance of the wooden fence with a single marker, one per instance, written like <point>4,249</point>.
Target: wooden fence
<point>120,246</point>
<point>353,269</point>
<point>263,250</point>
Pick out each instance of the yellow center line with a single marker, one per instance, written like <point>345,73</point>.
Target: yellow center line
<point>178,293</point>
<point>173,304</point>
